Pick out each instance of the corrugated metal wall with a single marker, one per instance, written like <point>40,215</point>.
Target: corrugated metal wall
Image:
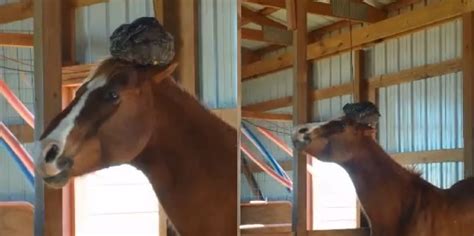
<point>218,53</point>
<point>95,23</point>
<point>16,66</point>
<point>426,114</point>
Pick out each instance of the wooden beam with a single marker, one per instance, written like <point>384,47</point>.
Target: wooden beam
<point>392,27</point>
<point>301,114</point>
<point>437,156</point>
<point>158,10</point>
<point>260,19</point>
<point>251,179</point>
<point>259,35</point>
<point>291,14</point>
<point>266,116</point>
<point>325,93</point>
<point>16,40</point>
<point>180,19</point>
<point>68,51</point>
<point>47,33</point>
<point>324,9</point>
<point>248,56</point>
<point>313,36</point>
<point>15,11</point>
<point>397,5</point>
<point>83,3</point>
<point>264,12</point>
<point>24,9</point>
<point>269,105</point>
<point>340,232</point>
<point>468,93</point>
<point>360,92</point>
<point>417,73</point>
<point>68,34</point>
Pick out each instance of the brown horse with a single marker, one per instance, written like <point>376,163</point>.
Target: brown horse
<point>126,113</point>
<point>395,200</point>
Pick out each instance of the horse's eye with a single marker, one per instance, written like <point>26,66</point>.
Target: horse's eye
<point>111,96</point>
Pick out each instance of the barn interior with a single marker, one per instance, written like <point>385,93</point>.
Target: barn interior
<point>263,66</point>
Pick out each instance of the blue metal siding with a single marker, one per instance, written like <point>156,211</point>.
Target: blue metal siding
<point>218,53</point>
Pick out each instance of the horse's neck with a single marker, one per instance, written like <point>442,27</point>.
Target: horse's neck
<point>191,164</point>
<point>387,191</point>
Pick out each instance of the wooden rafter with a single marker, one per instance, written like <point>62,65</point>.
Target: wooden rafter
<point>259,19</point>
<point>324,9</point>
<point>392,27</point>
<point>397,5</point>
<point>15,11</point>
<point>248,56</point>
<point>313,36</point>
<point>264,12</point>
<point>24,9</point>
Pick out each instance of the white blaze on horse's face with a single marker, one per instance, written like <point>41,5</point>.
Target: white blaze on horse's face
<point>52,146</point>
<point>301,135</point>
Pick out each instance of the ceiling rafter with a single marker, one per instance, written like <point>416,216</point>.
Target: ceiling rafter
<point>319,8</point>
<point>264,12</point>
<point>260,19</point>
<point>24,9</point>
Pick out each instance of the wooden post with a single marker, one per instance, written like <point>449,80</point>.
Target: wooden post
<point>180,19</point>
<point>68,52</point>
<point>239,109</point>
<point>360,93</point>
<point>360,85</point>
<point>47,51</point>
<point>468,93</point>
<point>300,115</point>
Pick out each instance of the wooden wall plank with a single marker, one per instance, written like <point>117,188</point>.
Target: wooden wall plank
<point>48,63</point>
<point>468,93</point>
<point>180,19</point>
<point>266,116</point>
<point>16,40</point>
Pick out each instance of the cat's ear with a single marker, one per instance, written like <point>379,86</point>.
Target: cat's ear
<point>165,73</point>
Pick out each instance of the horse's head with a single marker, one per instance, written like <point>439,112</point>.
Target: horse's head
<point>335,141</point>
<point>104,125</point>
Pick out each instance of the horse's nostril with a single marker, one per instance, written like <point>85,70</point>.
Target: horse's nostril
<point>306,137</point>
<point>303,130</point>
<point>64,163</point>
<point>52,153</point>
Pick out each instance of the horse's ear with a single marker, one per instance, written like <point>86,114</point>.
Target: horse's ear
<point>162,74</point>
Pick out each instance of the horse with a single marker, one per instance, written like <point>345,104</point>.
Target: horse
<point>395,200</point>
<point>126,113</point>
